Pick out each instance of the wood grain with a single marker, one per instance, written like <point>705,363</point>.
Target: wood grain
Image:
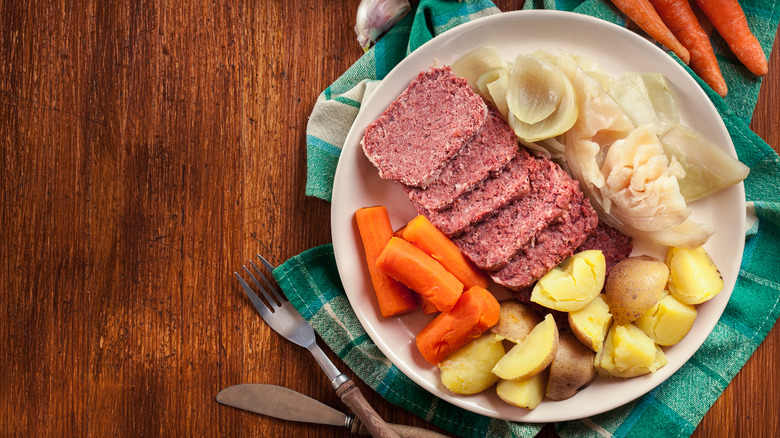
<point>148,150</point>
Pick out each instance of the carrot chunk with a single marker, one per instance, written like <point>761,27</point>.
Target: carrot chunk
<point>375,231</point>
<point>476,311</point>
<point>426,307</point>
<point>421,232</point>
<point>420,273</point>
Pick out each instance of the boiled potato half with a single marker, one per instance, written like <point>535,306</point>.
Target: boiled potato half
<point>572,285</point>
<point>591,323</point>
<point>515,321</point>
<point>668,321</point>
<point>634,285</point>
<point>526,393</point>
<point>629,352</point>
<point>468,370</point>
<point>572,368</point>
<point>532,355</point>
<point>693,277</point>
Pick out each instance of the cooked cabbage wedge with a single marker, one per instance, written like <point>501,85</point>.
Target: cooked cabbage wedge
<point>599,124</point>
<point>646,99</point>
<point>641,184</point>
<point>707,167</point>
<point>623,169</point>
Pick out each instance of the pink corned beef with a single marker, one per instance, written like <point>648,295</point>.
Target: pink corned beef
<point>424,127</point>
<point>490,150</point>
<point>511,183</point>
<point>550,247</point>
<point>491,243</point>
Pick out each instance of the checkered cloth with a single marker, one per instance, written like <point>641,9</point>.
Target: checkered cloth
<point>674,408</point>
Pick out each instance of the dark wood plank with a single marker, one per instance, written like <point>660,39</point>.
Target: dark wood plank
<point>148,150</point>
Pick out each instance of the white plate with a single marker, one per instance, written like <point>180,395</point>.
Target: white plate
<point>358,185</point>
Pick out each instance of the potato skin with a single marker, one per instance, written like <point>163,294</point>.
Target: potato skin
<point>468,370</point>
<point>515,321</point>
<point>634,285</point>
<point>572,368</point>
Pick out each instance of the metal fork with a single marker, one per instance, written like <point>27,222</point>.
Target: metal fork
<point>281,316</point>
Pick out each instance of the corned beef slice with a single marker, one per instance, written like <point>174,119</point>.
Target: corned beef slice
<point>492,148</point>
<point>511,183</point>
<point>551,247</point>
<point>424,127</point>
<point>615,245</point>
<point>492,242</point>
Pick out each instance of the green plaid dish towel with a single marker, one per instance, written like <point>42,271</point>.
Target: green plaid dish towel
<point>675,407</point>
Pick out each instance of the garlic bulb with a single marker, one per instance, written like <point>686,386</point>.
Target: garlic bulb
<point>375,17</point>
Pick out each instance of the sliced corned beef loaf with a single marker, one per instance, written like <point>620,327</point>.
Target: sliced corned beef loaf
<point>511,183</point>
<point>492,148</point>
<point>424,127</point>
<point>615,245</point>
<point>550,247</point>
<point>492,242</point>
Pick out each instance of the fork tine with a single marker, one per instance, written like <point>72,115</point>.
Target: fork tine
<point>274,291</point>
<point>259,305</point>
<point>267,265</point>
<point>271,303</point>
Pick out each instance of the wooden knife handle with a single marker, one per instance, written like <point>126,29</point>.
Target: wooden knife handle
<point>353,398</point>
<point>402,430</point>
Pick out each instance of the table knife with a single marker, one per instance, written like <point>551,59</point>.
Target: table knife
<point>286,404</point>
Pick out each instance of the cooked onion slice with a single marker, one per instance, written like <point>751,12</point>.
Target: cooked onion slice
<point>536,89</point>
<point>475,63</point>
<point>556,123</point>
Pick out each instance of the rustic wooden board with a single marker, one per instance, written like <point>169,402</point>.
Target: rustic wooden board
<point>148,150</point>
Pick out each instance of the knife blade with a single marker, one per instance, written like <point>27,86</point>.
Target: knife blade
<point>287,404</point>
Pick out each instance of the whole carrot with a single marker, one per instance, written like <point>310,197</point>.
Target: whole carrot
<point>644,15</point>
<point>729,20</point>
<point>682,21</point>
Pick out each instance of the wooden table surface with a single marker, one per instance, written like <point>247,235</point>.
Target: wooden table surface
<point>149,149</point>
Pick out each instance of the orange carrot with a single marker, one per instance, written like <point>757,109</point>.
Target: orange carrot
<point>426,307</point>
<point>476,311</point>
<point>729,20</point>
<point>421,232</point>
<point>375,230</point>
<point>399,232</point>
<point>420,273</point>
<point>642,13</point>
<point>682,21</point>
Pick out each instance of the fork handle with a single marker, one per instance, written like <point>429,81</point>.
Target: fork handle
<point>353,398</point>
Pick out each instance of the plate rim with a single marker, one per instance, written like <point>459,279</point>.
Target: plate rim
<point>524,415</point>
